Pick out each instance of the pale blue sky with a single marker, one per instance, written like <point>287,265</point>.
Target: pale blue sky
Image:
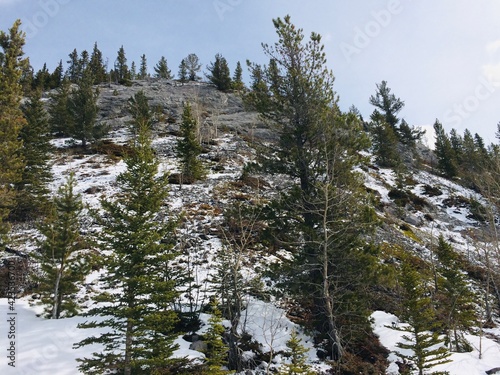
<point>442,57</point>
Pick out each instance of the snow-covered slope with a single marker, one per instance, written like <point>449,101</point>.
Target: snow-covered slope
<point>44,346</point>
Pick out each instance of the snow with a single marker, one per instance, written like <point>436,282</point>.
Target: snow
<point>46,346</point>
<point>462,363</point>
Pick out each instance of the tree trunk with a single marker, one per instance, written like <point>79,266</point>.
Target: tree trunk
<point>56,304</point>
<point>127,369</point>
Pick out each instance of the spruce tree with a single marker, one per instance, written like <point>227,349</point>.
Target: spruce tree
<point>237,83</point>
<point>162,70</point>
<point>421,337</point>
<point>82,108</point>
<point>12,119</point>
<point>63,269</point>
<point>183,71</point>
<point>297,356</point>
<point>32,191</point>
<point>143,68</point>
<point>216,351</point>
<point>456,300</point>
<point>138,287</point>
<point>60,119</point>
<point>189,148</point>
<point>219,73</point>
<point>57,76</point>
<point>122,72</point>
<point>73,70</point>
<point>444,152</point>
<point>97,67</point>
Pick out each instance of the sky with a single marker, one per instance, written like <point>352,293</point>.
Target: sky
<point>441,57</point>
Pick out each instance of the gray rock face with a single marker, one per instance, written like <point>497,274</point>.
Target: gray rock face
<point>216,111</point>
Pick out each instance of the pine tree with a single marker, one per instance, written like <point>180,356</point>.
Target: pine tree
<point>138,289</point>
<point>416,310</point>
<point>237,83</point>
<point>189,148</point>
<point>384,141</point>
<point>387,102</point>
<point>162,70</point>
<point>32,190</point>
<point>82,108</point>
<point>60,120</point>
<point>216,351</point>
<point>219,73</point>
<point>183,71</point>
<point>444,152</point>
<point>317,149</point>
<point>63,269</point>
<point>457,300</point>
<point>297,354</point>
<point>193,67</point>
<point>143,68</point>
<point>12,119</point>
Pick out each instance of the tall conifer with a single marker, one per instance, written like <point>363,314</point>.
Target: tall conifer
<point>189,148</point>
<point>12,119</point>
<point>139,289</point>
<point>62,270</point>
<point>32,190</point>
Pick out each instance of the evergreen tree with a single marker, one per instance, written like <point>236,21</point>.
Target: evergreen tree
<point>183,71</point>
<point>60,120</point>
<point>220,75</point>
<point>83,65</point>
<point>12,119</point>
<point>387,102</point>
<point>193,67</point>
<point>82,107</point>
<point>143,69</point>
<point>297,354</point>
<point>73,71</point>
<point>162,70</point>
<point>97,67</point>
<point>138,106</point>
<point>57,76</point>
<point>62,269</point>
<point>189,148</point>
<point>384,141</point>
<point>133,71</point>
<point>457,301</point>
<point>216,351</point>
<point>416,310</point>
<point>444,152</point>
<point>237,83</point>
<point>122,72</point>
<point>457,146</point>
<point>409,135</point>
<point>42,79</point>
<point>138,289</point>
<point>32,190</point>
<point>318,147</point>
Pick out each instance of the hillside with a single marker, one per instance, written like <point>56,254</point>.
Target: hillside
<point>410,218</point>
